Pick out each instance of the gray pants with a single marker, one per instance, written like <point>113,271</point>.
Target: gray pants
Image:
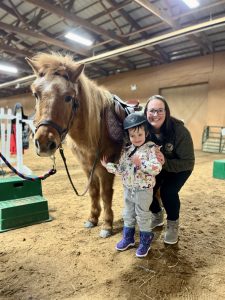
<point>136,208</point>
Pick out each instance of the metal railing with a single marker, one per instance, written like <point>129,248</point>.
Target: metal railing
<point>213,139</point>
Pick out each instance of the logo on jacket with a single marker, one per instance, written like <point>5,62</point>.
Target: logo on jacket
<point>168,147</point>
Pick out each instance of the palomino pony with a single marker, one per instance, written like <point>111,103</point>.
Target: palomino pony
<point>67,102</point>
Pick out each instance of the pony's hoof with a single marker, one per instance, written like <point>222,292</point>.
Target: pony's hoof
<point>104,233</point>
<point>89,224</point>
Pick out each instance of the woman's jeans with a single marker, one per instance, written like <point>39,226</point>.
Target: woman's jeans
<point>170,184</point>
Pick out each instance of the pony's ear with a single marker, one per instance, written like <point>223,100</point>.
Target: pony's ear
<point>75,72</point>
<point>32,64</point>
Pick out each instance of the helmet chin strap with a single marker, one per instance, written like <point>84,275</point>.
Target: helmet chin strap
<point>133,151</point>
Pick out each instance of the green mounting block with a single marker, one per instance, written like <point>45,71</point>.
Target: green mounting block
<point>219,169</point>
<point>21,203</point>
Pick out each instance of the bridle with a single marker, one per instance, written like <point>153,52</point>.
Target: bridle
<point>62,132</point>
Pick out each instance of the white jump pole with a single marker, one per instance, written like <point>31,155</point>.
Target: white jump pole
<point>19,146</point>
<point>6,136</point>
<point>6,127</point>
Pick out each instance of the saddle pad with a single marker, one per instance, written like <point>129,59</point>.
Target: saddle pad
<point>114,126</point>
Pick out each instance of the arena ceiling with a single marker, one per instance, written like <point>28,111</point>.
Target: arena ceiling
<point>140,27</point>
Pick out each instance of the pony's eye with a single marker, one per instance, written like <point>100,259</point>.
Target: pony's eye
<point>68,98</point>
<point>66,77</point>
<point>41,74</point>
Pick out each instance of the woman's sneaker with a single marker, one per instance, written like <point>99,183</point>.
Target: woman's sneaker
<point>157,219</point>
<point>171,233</point>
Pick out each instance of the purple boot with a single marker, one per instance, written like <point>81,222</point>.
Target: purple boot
<point>145,243</point>
<point>127,240</point>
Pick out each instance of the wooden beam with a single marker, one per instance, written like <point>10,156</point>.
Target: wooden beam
<point>76,20</point>
<point>43,38</point>
<point>153,41</point>
<point>131,21</point>
<point>174,24</point>
<point>16,51</point>
<point>156,11</point>
<point>160,39</point>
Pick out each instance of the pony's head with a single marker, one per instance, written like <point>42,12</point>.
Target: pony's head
<point>56,91</point>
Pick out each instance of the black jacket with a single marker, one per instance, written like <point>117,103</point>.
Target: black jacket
<point>177,148</point>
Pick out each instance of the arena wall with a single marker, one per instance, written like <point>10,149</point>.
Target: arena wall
<point>195,90</point>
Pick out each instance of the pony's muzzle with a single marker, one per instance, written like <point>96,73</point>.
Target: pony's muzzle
<point>45,151</point>
<point>45,145</point>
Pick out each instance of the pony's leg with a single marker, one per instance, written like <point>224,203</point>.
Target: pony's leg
<point>107,194</point>
<point>94,192</point>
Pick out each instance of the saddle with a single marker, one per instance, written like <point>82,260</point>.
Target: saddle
<point>123,109</point>
<point>115,116</point>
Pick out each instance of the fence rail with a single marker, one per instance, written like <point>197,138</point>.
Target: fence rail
<point>213,139</point>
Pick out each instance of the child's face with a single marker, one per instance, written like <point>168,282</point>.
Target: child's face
<point>137,136</point>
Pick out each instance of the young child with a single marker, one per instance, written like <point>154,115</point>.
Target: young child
<point>138,166</point>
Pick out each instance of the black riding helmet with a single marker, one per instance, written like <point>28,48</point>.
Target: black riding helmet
<point>134,120</point>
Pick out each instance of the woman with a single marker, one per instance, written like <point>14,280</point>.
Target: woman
<point>177,147</point>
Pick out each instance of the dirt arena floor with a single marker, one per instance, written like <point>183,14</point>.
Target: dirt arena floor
<point>61,260</point>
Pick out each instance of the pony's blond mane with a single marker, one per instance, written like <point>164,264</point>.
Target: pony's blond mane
<point>95,97</point>
<point>52,61</point>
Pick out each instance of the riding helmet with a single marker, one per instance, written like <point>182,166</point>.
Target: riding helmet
<point>133,120</point>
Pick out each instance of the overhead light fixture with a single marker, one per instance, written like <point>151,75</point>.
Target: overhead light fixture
<point>191,3</point>
<point>76,38</point>
<point>8,69</point>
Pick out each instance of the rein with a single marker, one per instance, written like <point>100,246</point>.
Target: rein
<point>92,169</point>
<point>68,174</point>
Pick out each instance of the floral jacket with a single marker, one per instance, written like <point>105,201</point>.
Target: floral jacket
<point>142,177</point>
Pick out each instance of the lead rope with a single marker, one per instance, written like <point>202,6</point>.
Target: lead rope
<point>93,167</point>
<point>68,174</point>
<point>43,177</point>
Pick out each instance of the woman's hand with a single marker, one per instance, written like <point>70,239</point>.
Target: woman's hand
<point>104,161</point>
<point>160,157</point>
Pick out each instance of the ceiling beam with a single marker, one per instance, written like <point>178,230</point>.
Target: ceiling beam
<point>76,20</point>
<point>131,21</point>
<point>174,24</point>
<point>159,39</point>
<point>163,56</point>
<point>19,16</point>
<point>153,41</point>
<point>16,51</point>
<point>82,22</point>
<point>156,11</point>
<point>110,10</point>
<point>43,38</point>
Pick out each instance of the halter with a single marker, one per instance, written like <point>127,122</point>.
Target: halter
<point>62,132</point>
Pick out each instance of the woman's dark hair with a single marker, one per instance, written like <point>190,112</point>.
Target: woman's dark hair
<point>167,127</point>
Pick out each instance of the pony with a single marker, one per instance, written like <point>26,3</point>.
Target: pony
<point>69,104</point>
